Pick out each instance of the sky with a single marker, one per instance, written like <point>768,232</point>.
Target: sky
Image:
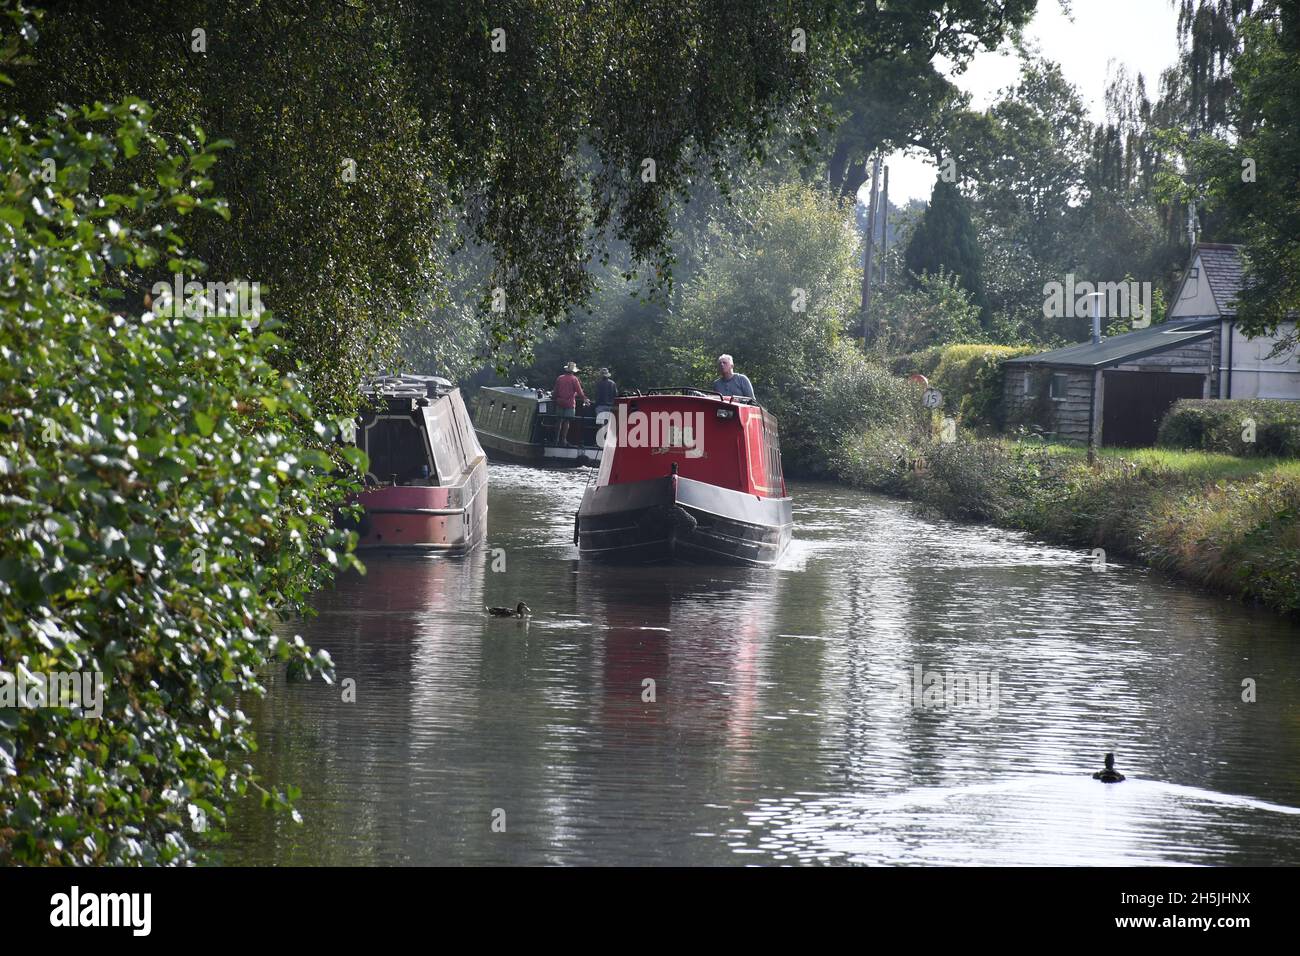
<point>1141,34</point>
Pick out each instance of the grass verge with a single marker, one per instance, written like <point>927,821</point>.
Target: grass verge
<point>1225,523</point>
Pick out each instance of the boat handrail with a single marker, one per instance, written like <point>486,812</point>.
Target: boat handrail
<point>688,390</point>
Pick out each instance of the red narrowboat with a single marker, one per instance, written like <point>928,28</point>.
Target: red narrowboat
<point>426,488</point>
<point>690,476</point>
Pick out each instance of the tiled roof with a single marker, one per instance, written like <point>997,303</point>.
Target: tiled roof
<point>1222,264</point>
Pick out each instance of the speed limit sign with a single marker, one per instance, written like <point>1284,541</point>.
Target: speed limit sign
<point>932,398</point>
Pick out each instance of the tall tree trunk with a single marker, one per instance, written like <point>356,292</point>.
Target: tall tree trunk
<point>853,180</point>
<point>838,164</point>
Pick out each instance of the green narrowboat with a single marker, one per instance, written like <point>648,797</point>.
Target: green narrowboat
<point>519,425</point>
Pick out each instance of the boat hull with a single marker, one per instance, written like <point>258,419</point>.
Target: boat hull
<point>512,452</point>
<point>451,519</point>
<point>675,519</point>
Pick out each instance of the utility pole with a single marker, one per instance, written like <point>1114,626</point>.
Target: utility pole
<point>884,229</point>
<point>871,235</point>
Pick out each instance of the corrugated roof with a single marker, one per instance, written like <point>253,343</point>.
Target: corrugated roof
<point>1121,348</point>
<point>1222,264</point>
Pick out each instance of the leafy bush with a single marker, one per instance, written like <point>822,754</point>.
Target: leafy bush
<point>968,375</point>
<point>936,311</point>
<point>774,296</point>
<point>850,394</point>
<point>923,362</point>
<point>1226,426</point>
<point>165,494</point>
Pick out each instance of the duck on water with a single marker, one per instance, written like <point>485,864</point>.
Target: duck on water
<point>1109,774</point>
<point>520,610</point>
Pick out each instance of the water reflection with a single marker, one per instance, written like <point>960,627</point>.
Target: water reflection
<point>782,725</point>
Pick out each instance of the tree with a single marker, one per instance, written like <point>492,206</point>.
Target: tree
<point>939,311</point>
<point>774,295</point>
<point>1257,178</point>
<point>165,496</point>
<point>945,241</point>
<point>376,136</point>
<point>888,91</point>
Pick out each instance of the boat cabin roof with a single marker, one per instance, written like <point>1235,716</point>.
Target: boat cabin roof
<point>724,440</point>
<point>406,386</point>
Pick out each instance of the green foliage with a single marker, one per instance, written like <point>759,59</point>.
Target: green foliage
<point>1236,426</point>
<point>774,295</point>
<point>820,420</point>
<point>936,311</point>
<point>533,151</point>
<point>1256,179</point>
<point>165,494</point>
<point>889,90</point>
<point>1053,194</point>
<point>945,241</point>
<point>970,377</point>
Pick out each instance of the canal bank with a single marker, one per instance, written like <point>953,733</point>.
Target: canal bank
<point>777,728</point>
<point>1221,522</point>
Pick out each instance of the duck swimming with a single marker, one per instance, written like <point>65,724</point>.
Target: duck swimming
<point>1110,774</point>
<point>521,610</point>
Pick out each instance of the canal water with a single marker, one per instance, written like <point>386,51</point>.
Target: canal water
<point>903,690</point>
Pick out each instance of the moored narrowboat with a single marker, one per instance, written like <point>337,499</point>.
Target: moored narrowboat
<point>426,487</point>
<point>519,425</point>
<point>687,476</point>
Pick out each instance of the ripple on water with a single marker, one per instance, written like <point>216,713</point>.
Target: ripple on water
<point>712,715</point>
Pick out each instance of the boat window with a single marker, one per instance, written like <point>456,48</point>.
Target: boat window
<point>396,450</point>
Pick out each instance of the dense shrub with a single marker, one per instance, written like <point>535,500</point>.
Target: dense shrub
<point>1227,426</point>
<point>923,362</point>
<point>164,495</point>
<point>850,394</point>
<point>970,377</point>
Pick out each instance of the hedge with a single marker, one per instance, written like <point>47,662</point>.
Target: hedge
<point>968,375</point>
<point>1238,426</point>
<point>166,497</point>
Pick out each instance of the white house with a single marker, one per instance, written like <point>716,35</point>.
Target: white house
<point>1208,291</point>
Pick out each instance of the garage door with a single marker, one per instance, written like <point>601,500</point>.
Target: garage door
<point>1135,402</point>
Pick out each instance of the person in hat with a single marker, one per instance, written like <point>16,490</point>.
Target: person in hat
<point>567,392</point>
<point>606,392</point>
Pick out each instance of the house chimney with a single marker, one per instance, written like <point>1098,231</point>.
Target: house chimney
<point>1094,309</point>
